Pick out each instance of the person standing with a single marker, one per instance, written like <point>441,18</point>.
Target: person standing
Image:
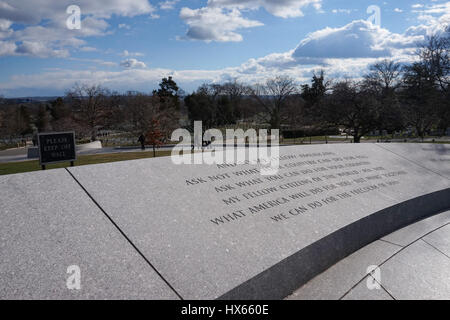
<point>141,140</point>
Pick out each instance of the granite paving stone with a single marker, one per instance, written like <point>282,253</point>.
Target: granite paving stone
<point>47,225</point>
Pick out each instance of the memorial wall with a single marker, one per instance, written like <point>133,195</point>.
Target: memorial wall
<point>215,231</point>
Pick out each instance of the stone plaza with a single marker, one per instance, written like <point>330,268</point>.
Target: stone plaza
<point>150,229</point>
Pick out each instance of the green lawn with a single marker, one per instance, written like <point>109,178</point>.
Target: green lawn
<point>27,166</point>
<point>7,146</point>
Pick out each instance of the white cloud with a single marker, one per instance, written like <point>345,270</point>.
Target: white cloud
<point>441,8</point>
<point>319,50</point>
<point>347,51</point>
<point>215,24</point>
<point>128,79</point>
<point>96,61</point>
<point>347,11</point>
<point>279,8</point>
<point>168,5</point>
<point>7,48</point>
<point>54,34</point>
<point>398,10</point>
<point>124,26</point>
<point>132,64</point>
<point>126,53</point>
<point>436,18</point>
<point>39,49</point>
<point>220,19</point>
<point>341,52</point>
<point>44,41</point>
<point>23,11</point>
<point>358,39</point>
<point>88,49</point>
<point>5,24</point>
<point>5,30</point>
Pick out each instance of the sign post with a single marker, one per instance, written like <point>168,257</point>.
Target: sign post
<point>55,147</point>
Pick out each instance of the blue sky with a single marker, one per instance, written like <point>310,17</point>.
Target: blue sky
<point>131,44</point>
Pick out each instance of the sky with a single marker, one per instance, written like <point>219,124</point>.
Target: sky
<point>132,44</point>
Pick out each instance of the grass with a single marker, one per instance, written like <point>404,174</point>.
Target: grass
<point>28,166</point>
<point>8,146</point>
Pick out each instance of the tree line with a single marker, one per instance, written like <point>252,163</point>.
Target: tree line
<point>87,109</point>
<point>391,97</point>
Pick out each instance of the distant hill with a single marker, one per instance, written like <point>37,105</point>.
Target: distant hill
<point>30,99</point>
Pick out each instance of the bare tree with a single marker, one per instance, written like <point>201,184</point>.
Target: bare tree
<point>425,86</point>
<point>43,119</point>
<point>2,123</point>
<point>274,99</point>
<point>147,114</point>
<point>420,98</point>
<point>235,92</point>
<point>435,58</point>
<point>90,105</point>
<point>383,82</point>
<point>216,104</point>
<point>312,95</point>
<point>384,75</point>
<point>16,121</point>
<point>352,107</point>
<point>140,109</point>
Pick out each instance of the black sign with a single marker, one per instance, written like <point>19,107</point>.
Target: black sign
<point>56,147</point>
